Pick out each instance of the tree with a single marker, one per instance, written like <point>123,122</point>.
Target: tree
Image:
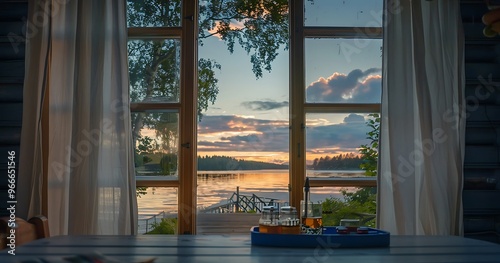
<point>260,27</point>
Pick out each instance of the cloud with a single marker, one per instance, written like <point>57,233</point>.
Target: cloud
<point>233,25</point>
<point>235,133</point>
<point>241,139</point>
<point>264,105</point>
<point>356,87</point>
<point>346,136</point>
<point>354,118</point>
<point>231,123</point>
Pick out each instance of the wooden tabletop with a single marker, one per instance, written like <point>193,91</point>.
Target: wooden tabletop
<point>238,248</point>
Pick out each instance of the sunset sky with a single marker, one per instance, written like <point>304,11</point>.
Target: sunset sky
<point>249,119</point>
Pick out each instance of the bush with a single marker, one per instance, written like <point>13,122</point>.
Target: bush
<point>167,226</point>
<point>361,201</point>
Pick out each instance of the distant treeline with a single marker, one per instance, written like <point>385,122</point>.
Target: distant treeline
<point>348,161</point>
<point>225,163</point>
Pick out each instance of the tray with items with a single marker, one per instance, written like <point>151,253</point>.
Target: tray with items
<point>331,236</point>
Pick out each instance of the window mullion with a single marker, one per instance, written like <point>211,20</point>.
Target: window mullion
<point>154,32</point>
<point>342,108</point>
<point>343,32</point>
<point>135,107</point>
<point>188,117</point>
<point>297,158</point>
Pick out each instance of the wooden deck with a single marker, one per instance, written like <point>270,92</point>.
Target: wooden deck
<point>228,223</point>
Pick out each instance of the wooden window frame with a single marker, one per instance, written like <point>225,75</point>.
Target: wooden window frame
<point>186,107</point>
<point>299,107</point>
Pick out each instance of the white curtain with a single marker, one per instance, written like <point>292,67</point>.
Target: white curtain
<point>77,60</point>
<point>422,125</point>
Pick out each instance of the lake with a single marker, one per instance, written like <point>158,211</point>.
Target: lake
<point>216,187</point>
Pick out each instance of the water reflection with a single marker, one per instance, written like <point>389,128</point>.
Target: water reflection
<point>217,187</point>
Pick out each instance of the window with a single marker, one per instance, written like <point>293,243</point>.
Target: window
<point>334,86</point>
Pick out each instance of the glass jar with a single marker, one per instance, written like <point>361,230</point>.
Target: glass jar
<point>269,220</point>
<point>289,220</point>
<point>351,224</point>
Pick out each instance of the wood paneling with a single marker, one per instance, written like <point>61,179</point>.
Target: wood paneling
<point>10,135</point>
<point>12,71</point>
<point>482,138</point>
<point>13,10</point>
<point>11,93</point>
<point>12,114</point>
<point>12,56</point>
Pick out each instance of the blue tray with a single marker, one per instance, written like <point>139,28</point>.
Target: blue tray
<point>329,238</point>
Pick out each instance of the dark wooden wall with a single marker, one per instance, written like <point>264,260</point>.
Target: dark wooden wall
<point>12,19</point>
<point>481,195</point>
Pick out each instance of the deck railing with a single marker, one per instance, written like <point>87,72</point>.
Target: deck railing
<point>244,203</point>
<point>147,224</point>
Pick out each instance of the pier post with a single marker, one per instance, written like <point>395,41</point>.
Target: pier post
<point>237,199</point>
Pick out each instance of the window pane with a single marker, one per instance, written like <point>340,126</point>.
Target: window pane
<point>334,143</point>
<point>157,208</point>
<point>343,70</point>
<point>351,13</point>
<point>154,70</point>
<point>156,143</point>
<point>243,95</point>
<point>157,13</point>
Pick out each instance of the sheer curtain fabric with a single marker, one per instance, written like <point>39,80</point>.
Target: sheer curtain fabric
<point>422,121</point>
<point>77,60</point>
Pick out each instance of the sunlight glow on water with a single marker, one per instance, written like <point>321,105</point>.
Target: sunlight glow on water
<point>217,187</point>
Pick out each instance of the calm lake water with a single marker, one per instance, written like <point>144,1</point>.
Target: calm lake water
<point>217,187</point>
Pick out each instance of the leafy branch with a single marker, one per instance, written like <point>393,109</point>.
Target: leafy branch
<point>369,152</point>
